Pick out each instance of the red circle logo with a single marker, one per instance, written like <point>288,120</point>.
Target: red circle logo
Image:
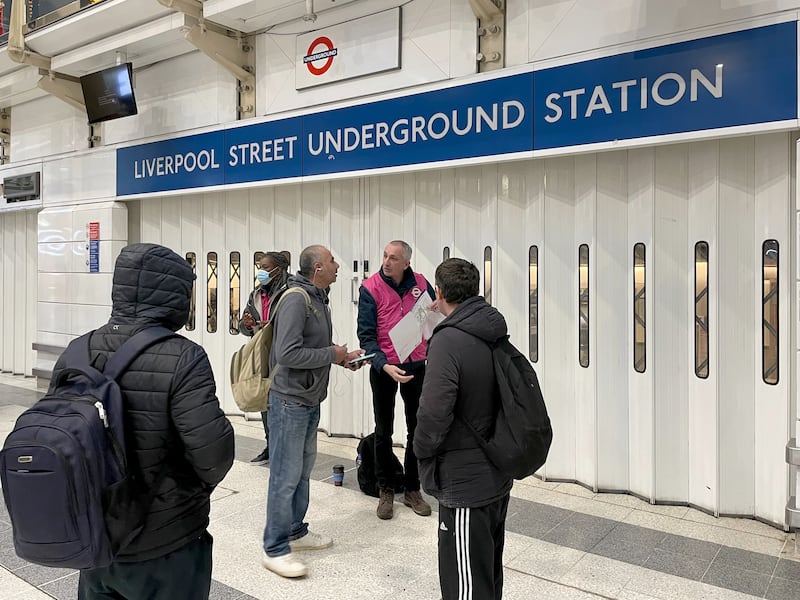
<point>312,55</point>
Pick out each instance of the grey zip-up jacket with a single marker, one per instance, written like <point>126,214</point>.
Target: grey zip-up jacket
<point>302,346</point>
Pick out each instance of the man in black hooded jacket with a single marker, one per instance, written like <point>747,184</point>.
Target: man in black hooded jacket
<point>179,442</point>
<point>460,385</point>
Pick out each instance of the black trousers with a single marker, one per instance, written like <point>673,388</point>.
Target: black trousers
<point>471,551</point>
<point>266,426</point>
<point>384,390</point>
<point>184,574</point>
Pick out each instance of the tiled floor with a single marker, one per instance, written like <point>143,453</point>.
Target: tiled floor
<point>562,541</point>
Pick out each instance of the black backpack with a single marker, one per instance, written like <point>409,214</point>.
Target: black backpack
<point>522,434</point>
<point>71,499</point>
<point>365,461</point>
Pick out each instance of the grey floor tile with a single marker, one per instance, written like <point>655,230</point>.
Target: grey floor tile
<point>579,531</point>
<point>220,591</point>
<point>533,519</point>
<point>689,547</point>
<point>6,540</point>
<point>788,569</point>
<point>677,564</point>
<point>4,526</point>
<point>737,579</point>
<point>10,560</point>
<point>247,448</point>
<point>783,589</point>
<point>11,395</point>
<point>38,575</point>
<point>744,559</point>
<point>323,467</point>
<point>634,554</point>
<point>631,534</point>
<point>65,588</point>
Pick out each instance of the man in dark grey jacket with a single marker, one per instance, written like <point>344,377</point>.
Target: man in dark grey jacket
<point>180,445</point>
<point>300,361</point>
<point>460,386</point>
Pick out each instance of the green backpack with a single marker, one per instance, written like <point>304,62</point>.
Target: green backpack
<point>250,376</point>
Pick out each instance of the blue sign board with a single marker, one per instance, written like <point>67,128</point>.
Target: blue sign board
<point>741,78</point>
<point>263,152</point>
<point>94,256</point>
<point>478,119</point>
<point>727,80</point>
<point>176,164</point>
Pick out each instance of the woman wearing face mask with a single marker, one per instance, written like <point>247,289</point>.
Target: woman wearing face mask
<point>273,271</point>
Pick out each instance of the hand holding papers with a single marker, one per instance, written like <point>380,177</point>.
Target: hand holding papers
<point>414,327</point>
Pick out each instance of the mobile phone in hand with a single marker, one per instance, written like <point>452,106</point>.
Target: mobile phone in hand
<point>360,359</point>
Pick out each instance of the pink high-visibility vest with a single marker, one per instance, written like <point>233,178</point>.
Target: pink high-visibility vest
<point>391,308</point>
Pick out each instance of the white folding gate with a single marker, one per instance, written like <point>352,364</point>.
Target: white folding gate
<point>223,232</point>
<point>649,288</point>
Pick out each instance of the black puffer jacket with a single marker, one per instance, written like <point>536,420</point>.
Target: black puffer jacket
<point>459,380</point>
<point>172,417</point>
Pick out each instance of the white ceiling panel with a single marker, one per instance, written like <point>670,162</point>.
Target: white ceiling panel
<point>94,24</point>
<point>255,15</point>
<point>19,87</point>
<point>149,43</point>
<point>6,64</point>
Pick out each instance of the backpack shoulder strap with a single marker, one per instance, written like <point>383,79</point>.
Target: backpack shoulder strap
<point>493,347</point>
<point>77,361</point>
<point>133,347</point>
<point>77,353</point>
<point>286,292</point>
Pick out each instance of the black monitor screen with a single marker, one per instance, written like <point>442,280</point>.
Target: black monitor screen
<point>108,94</point>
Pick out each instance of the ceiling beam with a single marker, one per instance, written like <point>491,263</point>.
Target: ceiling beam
<point>61,86</point>
<point>234,52</point>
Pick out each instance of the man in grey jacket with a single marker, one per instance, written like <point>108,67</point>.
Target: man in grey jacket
<point>301,358</point>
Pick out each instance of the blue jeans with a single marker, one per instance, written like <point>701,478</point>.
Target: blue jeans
<point>292,452</point>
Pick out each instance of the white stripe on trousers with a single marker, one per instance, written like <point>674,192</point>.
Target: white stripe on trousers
<point>462,554</point>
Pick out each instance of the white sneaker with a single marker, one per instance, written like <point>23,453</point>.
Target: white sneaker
<point>285,566</point>
<point>311,541</point>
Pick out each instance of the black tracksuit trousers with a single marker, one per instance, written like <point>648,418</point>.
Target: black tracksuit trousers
<point>471,551</point>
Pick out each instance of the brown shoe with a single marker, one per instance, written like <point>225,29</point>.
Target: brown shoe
<point>417,504</point>
<point>385,508</point>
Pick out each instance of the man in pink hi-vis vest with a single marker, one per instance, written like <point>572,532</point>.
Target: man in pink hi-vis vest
<point>385,298</point>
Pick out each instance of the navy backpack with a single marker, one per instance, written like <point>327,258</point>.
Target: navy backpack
<point>70,496</point>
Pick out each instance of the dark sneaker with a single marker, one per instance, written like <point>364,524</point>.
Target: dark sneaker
<point>385,508</point>
<point>261,459</point>
<point>417,504</point>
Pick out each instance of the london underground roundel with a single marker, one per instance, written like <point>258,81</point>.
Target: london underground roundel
<point>321,48</point>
